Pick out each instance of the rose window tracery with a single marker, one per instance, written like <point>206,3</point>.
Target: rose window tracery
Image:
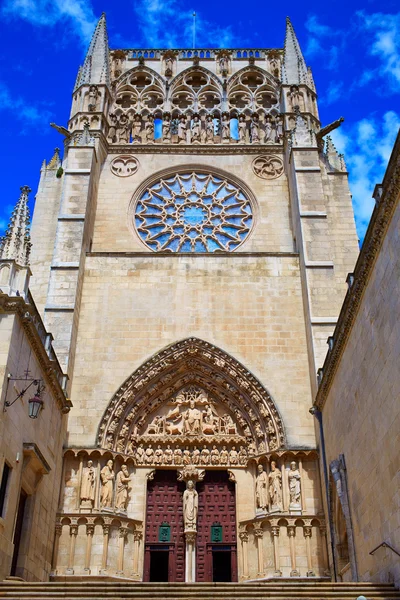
<point>193,212</point>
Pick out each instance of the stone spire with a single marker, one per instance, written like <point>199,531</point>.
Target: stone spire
<point>294,68</point>
<point>16,242</point>
<point>96,68</point>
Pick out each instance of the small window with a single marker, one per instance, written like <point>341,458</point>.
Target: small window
<point>3,488</point>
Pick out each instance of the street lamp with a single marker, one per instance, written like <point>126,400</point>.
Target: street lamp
<point>35,403</point>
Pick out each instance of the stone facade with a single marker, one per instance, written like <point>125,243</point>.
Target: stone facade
<point>358,397</point>
<point>189,255</point>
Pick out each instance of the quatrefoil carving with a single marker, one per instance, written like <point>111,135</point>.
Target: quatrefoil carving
<point>124,166</point>
<point>268,167</point>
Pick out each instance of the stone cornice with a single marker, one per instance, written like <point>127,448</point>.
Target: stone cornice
<point>371,247</point>
<point>160,148</point>
<point>179,255</point>
<point>40,341</point>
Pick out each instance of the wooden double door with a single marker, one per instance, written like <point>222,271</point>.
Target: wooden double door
<point>216,529</point>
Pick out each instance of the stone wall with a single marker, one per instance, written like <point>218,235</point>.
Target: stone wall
<point>33,451</point>
<point>361,413</point>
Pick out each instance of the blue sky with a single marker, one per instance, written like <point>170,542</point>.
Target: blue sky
<point>353,48</point>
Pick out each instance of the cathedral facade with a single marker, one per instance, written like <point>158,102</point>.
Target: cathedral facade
<point>190,254</point>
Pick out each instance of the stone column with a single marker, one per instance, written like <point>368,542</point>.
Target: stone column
<point>292,534</point>
<point>259,533</point>
<point>73,532</point>
<point>123,532</point>
<point>106,532</point>
<point>275,536</point>
<point>325,560</point>
<point>137,536</point>
<point>190,575</point>
<point>307,534</point>
<point>58,532</point>
<point>89,540</point>
<point>244,537</point>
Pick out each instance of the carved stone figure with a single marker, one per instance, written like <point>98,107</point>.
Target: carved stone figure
<point>262,489</point>
<point>242,456</point>
<point>205,456</point>
<point>224,456</point>
<point>278,129</point>
<point>137,129</point>
<point>168,455</point>
<point>196,128</point>
<point>149,129</point>
<point>294,485</point>
<point>215,456</point>
<point>233,456</point>
<point>178,456</point>
<point>139,455</point>
<point>149,455</point>
<point>166,129</point>
<point>182,130</point>
<point>225,128</point>
<point>87,487</point>
<point>275,487</point>
<point>242,126</point>
<point>123,130</point>
<point>92,100</point>
<point>112,129</point>
<point>191,419</point>
<point>168,66</point>
<point>107,478</point>
<point>254,130</point>
<point>190,506</point>
<point>268,137</point>
<point>121,489</point>
<point>195,456</point>
<point>210,130</point>
<point>223,64</point>
<point>295,97</point>
<point>158,455</point>
<point>186,458</point>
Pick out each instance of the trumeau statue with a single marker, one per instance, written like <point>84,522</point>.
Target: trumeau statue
<point>275,487</point>
<point>190,507</point>
<point>294,485</point>
<point>262,489</point>
<point>87,487</point>
<point>121,491</point>
<point>107,480</point>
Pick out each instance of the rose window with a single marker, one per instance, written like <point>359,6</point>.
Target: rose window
<point>193,212</point>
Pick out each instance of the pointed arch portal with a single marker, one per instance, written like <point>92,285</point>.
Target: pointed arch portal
<point>191,395</point>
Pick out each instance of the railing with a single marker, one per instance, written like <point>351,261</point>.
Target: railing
<point>204,53</point>
<point>385,545</point>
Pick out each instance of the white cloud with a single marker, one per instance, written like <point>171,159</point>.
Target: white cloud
<point>333,93</point>
<point>23,110</point>
<point>167,24</point>
<point>367,146</point>
<point>319,42</point>
<point>383,30</point>
<point>77,14</point>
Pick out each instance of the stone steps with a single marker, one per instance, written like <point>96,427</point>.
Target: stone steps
<point>273,590</point>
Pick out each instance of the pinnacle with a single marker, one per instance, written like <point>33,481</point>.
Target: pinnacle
<point>294,65</point>
<point>96,67</point>
<point>16,244</point>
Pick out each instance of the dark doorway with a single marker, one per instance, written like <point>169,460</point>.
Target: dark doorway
<point>159,565</point>
<point>18,531</point>
<point>222,570</point>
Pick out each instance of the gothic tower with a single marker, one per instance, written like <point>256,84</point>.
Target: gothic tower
<point>189,256</point>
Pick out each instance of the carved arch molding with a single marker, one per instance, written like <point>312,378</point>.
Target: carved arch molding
<point>191,403</point>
